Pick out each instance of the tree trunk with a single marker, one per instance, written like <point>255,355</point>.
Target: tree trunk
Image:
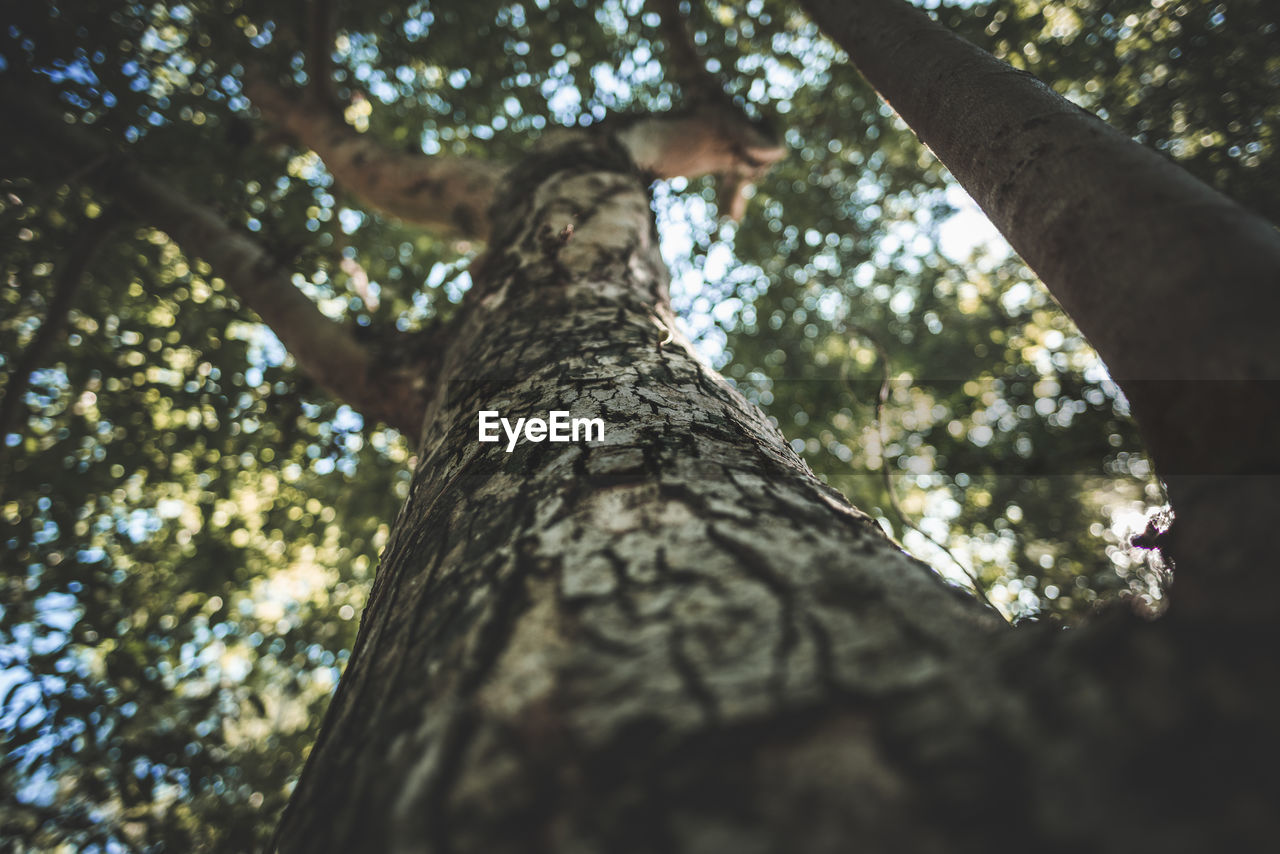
<point>677,639</point>
<point>1176,286</point>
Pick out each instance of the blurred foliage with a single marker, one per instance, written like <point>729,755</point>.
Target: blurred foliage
<point>189,525</point>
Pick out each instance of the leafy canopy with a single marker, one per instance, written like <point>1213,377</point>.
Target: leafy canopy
<point>188,525</point>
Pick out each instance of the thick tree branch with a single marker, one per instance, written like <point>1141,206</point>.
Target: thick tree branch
<point>1174,284</point>
<point>323,347</point>
<point>449,195</point>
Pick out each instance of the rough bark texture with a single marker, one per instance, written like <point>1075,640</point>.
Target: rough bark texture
<point>554,629</point>
<point>1176,286</point>
<point>678,640</point>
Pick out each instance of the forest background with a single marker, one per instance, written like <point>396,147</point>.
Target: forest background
<point>190,524</point>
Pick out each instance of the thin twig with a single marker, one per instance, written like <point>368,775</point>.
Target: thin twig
<point>882,431</point>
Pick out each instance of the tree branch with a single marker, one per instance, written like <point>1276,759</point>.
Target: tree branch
<point>323,347</point>
<point>712,136</point>
<point>711,139</point>
<point>449,195</point>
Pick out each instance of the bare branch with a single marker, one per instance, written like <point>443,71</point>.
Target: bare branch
<point>449,195</point>
<point>323,347</point>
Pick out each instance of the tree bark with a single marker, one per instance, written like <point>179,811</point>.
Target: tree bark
<point>677,639</point>
<point>554,630</point>
<point>1176,286</point>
